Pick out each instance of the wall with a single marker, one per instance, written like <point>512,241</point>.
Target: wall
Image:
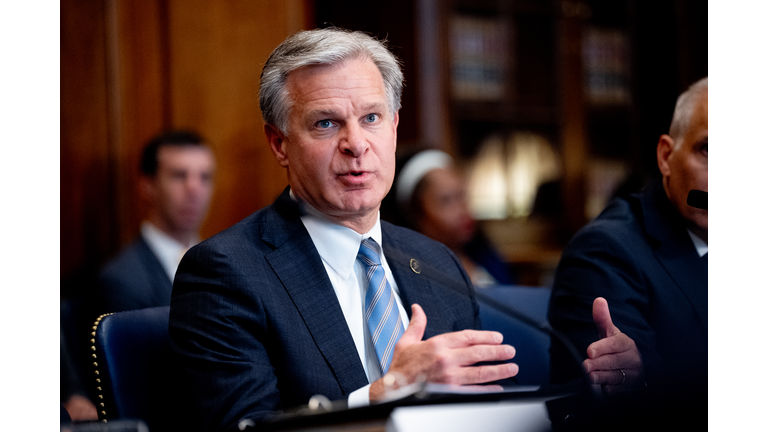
<point>130,69</point>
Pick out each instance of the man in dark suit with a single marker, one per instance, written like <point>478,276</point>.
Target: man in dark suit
<point>309,295</point>
<point>645,258</point>
<point>177,170</point>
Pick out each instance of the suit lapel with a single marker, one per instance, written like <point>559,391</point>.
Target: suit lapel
<point>416,287</point>
<point>689,272</point>
<point>300,269</point>
<point>676,251</point>
<point>160,285</point>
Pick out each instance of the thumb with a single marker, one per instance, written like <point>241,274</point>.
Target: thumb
<point>602,317</point>
<point>416,326</point>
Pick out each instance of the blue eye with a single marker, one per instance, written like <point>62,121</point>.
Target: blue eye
<point>370,118</point>
<point>324,124</point>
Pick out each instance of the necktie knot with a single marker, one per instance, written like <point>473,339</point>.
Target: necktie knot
<point>368,253</point>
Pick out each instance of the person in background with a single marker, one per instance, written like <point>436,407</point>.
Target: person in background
<point>314,294</point>
<point>76,404</point>
<point>429,195</point>
<point>177,170</point>
<point>639,272</point>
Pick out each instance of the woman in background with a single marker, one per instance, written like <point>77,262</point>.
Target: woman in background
<point>429,196</point>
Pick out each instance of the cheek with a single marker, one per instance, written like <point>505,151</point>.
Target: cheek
<point>697,175</point>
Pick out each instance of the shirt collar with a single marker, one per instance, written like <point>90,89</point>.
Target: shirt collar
<point>167,250</point>
<point>701,246</point>
<point>336,244</point>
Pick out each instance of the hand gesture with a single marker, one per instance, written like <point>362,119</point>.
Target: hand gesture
<point>614,361</point>
<point>447,358</point>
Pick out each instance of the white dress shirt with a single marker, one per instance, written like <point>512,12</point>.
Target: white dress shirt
<point>338,247</point>
<point>701,246</point>
<point>167,250</point>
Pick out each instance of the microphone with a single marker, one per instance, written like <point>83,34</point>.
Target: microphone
<point>697,199</point>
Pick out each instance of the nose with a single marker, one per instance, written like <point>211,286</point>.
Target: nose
<point>196,185</point>
<point>353,142</point>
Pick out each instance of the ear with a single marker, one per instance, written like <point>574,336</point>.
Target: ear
<point>275,138</point>
<point>147,187</point>
<point>396,121</point>
<point>663,152</point>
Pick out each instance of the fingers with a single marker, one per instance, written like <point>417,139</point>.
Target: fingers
<point>449,357</point>
<point>468,338</point>
<point>482,353</point>
<point>416,327</point>
<point>483,374</point>
<point>625,360</point>
<point>614,377</point>
<point>611,345</point>
<point>602,317</point>
<point>615,382</point>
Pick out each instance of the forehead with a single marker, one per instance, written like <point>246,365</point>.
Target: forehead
<point>699,123</point>
<point>356,81</point>
<point>184,156</point>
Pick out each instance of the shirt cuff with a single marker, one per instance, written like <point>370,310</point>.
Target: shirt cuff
<point>359,397</point>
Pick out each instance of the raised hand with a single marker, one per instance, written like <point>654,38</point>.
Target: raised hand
<point>447,358</point>
<point>613,362</point>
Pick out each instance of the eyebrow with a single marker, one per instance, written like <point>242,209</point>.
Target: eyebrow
<point>332,113</point>
<point>322,113</point>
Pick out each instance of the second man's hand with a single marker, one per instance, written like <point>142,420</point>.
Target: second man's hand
<point>447,358</point>
<point>613,362</point>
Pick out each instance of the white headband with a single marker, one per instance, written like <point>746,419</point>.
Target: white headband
<point>416,168</point>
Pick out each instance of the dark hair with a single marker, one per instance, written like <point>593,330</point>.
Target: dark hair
<point>178,138</point>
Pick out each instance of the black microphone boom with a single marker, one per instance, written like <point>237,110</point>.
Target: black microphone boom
<point>697,199</point>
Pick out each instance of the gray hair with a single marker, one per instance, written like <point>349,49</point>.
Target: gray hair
<point>686,103</point>
<point>328,46</point>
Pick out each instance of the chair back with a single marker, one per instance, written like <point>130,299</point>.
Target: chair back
<point>531,345</point>
<point>131,357</point>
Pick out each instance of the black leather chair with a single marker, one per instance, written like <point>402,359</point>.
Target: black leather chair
<point>131,360</point>
<point>531,345</point>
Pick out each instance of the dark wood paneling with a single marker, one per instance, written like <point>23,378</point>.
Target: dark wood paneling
<point>217,51</point>
<point>86,207</point>
<point>130,69</point>
<point>138,99</point>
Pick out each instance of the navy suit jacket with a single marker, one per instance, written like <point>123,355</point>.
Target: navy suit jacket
<point>638,255</point>
<point>134,279</point>
<point>256,327</point>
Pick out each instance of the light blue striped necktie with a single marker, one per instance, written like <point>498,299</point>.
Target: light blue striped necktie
<point>381,312</point>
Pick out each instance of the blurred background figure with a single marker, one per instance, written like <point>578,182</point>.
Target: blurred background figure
<point>74,397</point>
<point>429,195</point>
<point>177,170</point>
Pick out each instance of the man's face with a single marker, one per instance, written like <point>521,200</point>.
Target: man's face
<point>181,190</point>
<point>340,148</point>
<point>685,168</point>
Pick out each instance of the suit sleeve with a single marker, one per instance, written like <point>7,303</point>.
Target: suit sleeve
<point>218,342</point>
<point>598,264</point>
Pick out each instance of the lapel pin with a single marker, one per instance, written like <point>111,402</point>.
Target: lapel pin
<point>415,266</point>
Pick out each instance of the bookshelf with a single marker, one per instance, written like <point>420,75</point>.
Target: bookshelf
<point>593,79</point>
<point>590,78</point>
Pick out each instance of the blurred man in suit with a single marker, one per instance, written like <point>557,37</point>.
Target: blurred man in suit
<point>640,271</point>
<point>177,169</point>
<point>314,294</point>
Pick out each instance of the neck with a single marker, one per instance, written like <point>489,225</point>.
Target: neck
<point>182,236</point>
<point>360,225</point>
